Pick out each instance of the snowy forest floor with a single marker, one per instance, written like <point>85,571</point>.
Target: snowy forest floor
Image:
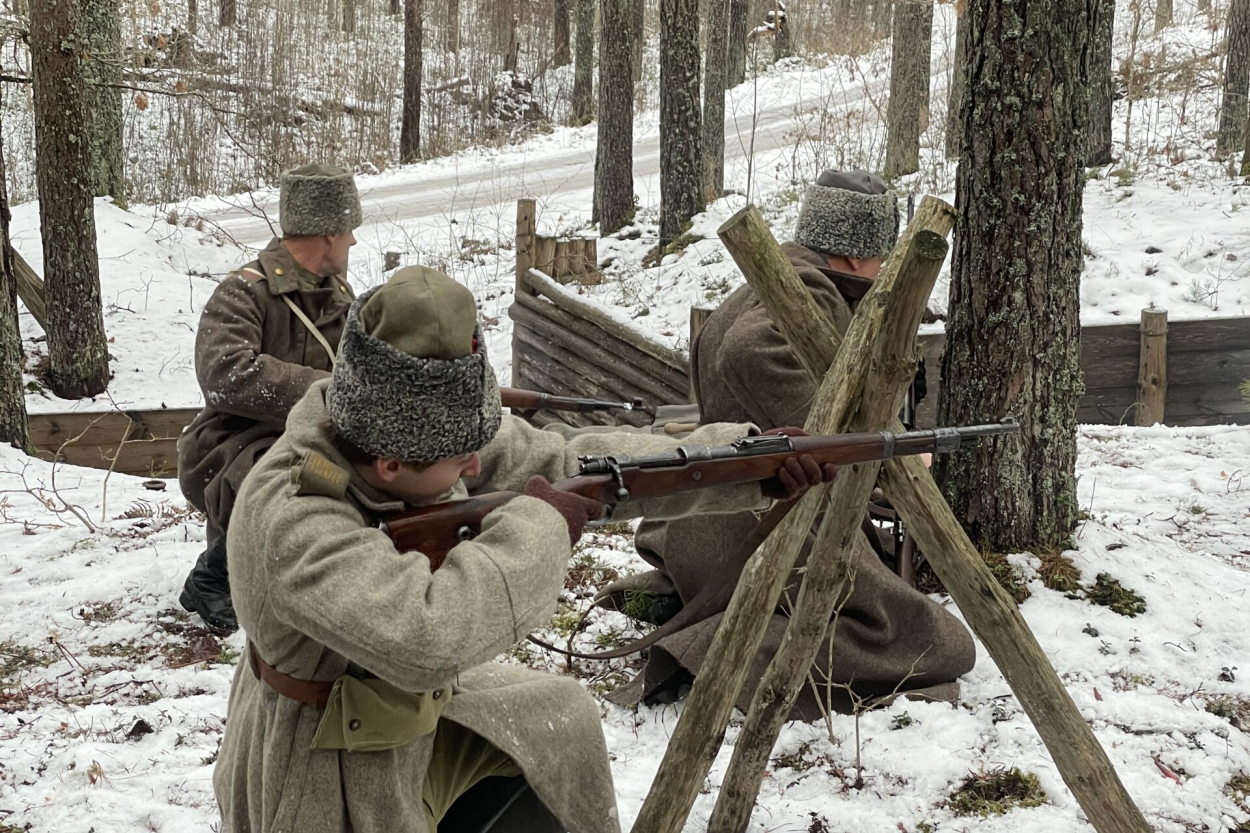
<point>112,700</point>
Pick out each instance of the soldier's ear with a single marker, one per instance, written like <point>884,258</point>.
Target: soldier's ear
<point>387,469</point>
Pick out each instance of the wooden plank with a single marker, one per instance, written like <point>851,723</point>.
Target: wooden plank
<point>584,359</point>
<point>143,458</point>
<point>674,379</point>
<point>565,325</point>
<point>50,430</point>
<point>30,290</point>
<point>564,299</point>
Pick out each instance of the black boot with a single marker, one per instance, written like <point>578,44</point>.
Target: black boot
<point>499,805</point>
<point>207,590</point>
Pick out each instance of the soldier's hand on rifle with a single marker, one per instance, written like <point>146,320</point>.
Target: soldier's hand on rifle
<point>576,510</point>
<point>798,474</point>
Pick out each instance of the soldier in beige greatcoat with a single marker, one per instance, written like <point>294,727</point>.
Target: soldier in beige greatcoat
<point>369,700</point>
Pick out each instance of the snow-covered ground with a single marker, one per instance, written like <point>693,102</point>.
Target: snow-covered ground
<point>112,700</point>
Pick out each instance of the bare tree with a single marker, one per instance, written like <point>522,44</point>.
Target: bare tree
<point>101,30</point>
<point>1236,80</point>
<point>640,36</point>
<point>227,13</point>
<point>714,71</point>
<point>614,156</point>
<point>77,348</point>
<point>955,95</point>
<point>681,175</point>
<point>736,53</point>
<point>410,117</point>
<point>14,428</point>
<point>560,53</point>
<point>1163,14</point>
<point>1018,197</point>
<point>882,17</point>
<point>782,47</point>
<point>1101,85</point>
<point>451,33</point>
<point>908,109</point>
<point>584,64</point>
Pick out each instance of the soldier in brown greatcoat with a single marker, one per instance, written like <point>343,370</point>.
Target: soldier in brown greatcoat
<point>888,634</point>
<point>266,334</point>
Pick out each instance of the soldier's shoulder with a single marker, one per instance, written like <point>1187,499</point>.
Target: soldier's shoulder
<point>314,474</point>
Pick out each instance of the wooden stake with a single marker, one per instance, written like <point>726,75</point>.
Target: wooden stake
<point>992,615</point>
<point>1152,372</point>
<point>526,225</point>
<point>866,385</point>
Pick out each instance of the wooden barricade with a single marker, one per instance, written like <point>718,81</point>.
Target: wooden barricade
<point>144,443</point>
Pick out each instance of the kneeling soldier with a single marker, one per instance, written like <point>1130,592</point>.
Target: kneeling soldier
<point>369,700</point>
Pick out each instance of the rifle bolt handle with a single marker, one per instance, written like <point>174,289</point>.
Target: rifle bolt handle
<point>622,493</point>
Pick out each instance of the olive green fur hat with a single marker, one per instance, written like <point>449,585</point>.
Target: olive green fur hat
<point>848,213</point>
<point>318,199</point>
<point>412,381</point>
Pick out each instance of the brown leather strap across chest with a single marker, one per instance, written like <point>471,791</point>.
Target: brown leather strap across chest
<point>315,693</point>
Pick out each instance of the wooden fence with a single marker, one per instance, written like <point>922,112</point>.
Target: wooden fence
<point>129,442</point>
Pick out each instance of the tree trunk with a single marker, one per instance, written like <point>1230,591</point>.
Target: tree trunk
<point>908,109</point>
<point>639,21</point>
<point>228,13</point>
<point>882,17</point>
<point>584,64</point>
<point>14,428</point>
<point>1245,155</point>
<point>1163,14</point>
<point>76,345</point>
<point>1013,335</point>
<point>782,48</point>
<point>614,156</point>
<point>560,53</point>
<point>347,16</point>
<point>451,35</point>
<point>410,117</point>
<point>1236,80</point>
<point>193,19</point>
<point>736,53</point>
<point>1101,85</point>
<point>681,165</point>
<point>714,69</point>
<point>955,95</point>
<point>101,29</point>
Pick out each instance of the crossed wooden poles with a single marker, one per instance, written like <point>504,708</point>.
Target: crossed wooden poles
<point>864,379</point>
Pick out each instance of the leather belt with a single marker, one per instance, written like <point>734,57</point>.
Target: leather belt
<point>315,693</point>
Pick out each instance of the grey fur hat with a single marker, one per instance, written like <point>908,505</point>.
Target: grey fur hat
<point>318,199</point>
<point>848,213</point>
<point>412,381</point>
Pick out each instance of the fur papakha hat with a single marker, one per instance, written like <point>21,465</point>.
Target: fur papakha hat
<point>848,213</point>
<point>318,199</point>
<point>412,381</point>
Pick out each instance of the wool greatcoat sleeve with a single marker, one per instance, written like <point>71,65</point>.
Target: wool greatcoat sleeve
<point>520,450</point>
<point>237,375</point>
<point>332,577</point>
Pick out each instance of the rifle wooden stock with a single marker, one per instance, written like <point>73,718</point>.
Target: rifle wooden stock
<point>436,529</point>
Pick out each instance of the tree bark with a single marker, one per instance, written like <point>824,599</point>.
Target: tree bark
<point>584,64</point>
<point>76,343</point>
<point>714,75</point>
<point>101,29</point>
<point>640,37</point>
<point>1163,14</point>
<point>1101,85</point>
<point>908,107</point>
<point>870,375</point>
<point>227,13</point>
<point>1236,80</point>
<point>560,53</point>
<point>614,156</point>
<point>1013,335</point>
<point>14,428</point>
<point>410,116</point>
<point>736,53</point>
<point>955,95</point>
<point>681,164</point>
<point>1245,155</point>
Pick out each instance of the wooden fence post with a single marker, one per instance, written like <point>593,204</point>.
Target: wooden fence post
<point>526,225</point>
<point>1152,368</point>
<point>698,317</point>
